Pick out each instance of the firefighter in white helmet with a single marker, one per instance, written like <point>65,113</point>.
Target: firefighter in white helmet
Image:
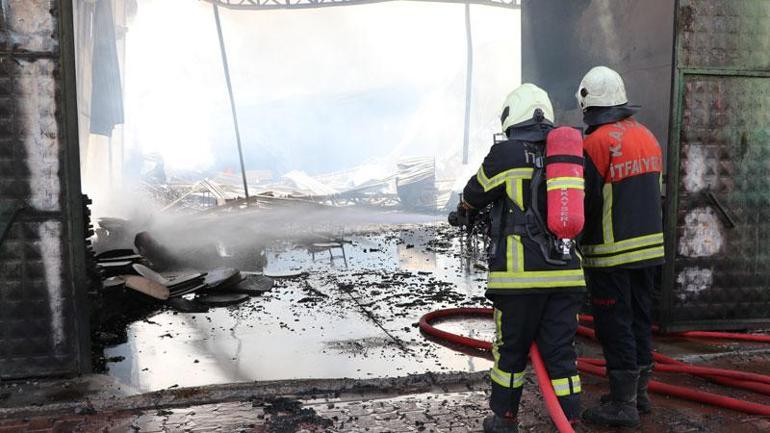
<point>534,298</point>
<point>622,241</point>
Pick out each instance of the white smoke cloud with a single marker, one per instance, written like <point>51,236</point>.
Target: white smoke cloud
<point>176,101</point>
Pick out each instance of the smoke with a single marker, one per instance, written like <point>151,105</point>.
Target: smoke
<point>204,240</point>
<point>318,91</point>
<point>298,221</point>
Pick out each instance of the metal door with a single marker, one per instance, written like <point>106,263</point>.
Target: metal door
<point>718,203</point>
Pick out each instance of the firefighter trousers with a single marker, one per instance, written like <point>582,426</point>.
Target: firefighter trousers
<point>621,300</point>
<point>549,320</point>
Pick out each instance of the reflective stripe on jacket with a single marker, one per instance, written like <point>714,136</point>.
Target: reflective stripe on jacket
<point>516,263</point>
<point>623,207</point>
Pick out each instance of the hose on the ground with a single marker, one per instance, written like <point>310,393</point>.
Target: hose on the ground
<point>549,396</point>
<point>543,380</point>
<point>689,394</point>
<point>750,381</point>
<point>753,338</point>
<point>664,361</point>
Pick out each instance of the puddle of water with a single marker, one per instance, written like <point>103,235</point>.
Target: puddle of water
<point>293,332</point>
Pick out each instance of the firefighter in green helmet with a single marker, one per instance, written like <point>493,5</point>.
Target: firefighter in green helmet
<point>535,299</point>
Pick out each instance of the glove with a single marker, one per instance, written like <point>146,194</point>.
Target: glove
<point>465,215</point>
<point>471,213</point>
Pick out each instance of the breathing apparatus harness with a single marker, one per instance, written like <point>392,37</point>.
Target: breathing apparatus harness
<point>556,245</point>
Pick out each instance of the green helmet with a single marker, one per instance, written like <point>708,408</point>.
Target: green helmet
<point>522,104</point>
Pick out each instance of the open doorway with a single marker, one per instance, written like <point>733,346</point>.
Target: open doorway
<point>351,125</point>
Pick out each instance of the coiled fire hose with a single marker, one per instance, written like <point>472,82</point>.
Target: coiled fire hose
<point>750,381</point>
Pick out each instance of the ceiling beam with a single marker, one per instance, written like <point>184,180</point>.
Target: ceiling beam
<point>314,4</point>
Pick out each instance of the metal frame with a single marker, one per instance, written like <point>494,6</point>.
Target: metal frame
<point>468,81</point>
<point>74,224</point>
<point>314,4</point>
<point>672,182</point>
<point>233,110</point>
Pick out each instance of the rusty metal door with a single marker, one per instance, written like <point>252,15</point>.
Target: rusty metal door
<point>718,197</point>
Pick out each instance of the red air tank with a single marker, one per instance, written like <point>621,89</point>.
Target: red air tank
<point>565,185</point>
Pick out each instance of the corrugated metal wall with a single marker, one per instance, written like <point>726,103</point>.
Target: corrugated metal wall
<point>718,273</point>
<point>43,320</point>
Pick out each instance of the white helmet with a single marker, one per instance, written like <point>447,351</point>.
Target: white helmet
<point>601,87</point>
<point>523,102</point>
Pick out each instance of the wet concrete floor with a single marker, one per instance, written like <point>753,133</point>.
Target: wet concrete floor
<point>358,321</point>
<point>327,324</point>
<point>459,411</point>
<point>339,320</point>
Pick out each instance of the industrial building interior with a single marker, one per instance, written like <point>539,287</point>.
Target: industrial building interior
<point>324,173</point>
<point>238,218</point>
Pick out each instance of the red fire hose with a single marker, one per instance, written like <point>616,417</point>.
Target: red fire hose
<point>689,394</point>
<point>662,360</point>
<point>551,401</point>
<point>751,381</point>
<point>754,338</point>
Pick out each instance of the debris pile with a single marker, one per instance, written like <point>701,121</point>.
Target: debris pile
<point>288,416</point>
<point>129,275</point>
<point>132,290</point>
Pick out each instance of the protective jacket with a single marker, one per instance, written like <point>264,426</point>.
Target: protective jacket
<point>624,225</point>
<point>516,262</point>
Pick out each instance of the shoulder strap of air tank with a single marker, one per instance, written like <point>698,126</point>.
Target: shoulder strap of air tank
<point>518,221</point>
<point>537,230</point>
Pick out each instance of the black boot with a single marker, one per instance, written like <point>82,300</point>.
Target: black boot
<point>643,404</point>
<point>621,410</point>
<point>580,427</point>
<point>497,424</point>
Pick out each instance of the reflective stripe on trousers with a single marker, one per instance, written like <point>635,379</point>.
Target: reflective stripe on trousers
<point>500,377</point>
<point>565,386</point>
